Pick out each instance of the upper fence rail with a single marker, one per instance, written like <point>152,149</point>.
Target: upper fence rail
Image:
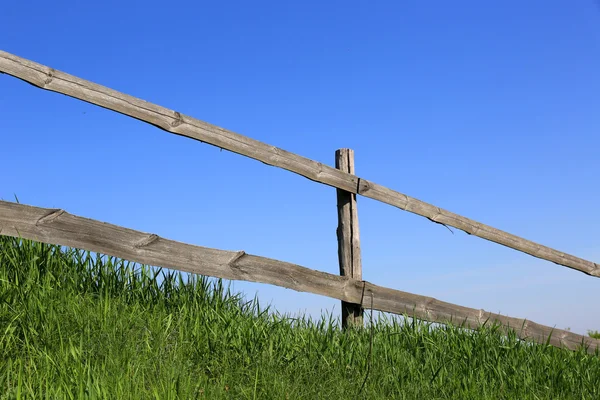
<point>172,121</point>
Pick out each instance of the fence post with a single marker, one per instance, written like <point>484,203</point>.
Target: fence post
<point>348,238</point>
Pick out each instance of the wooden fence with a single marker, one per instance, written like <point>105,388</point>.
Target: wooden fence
<point>59,227</point>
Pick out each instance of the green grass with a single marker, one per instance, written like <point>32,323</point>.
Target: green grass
<point>594,334</point>
<point>77,326</point>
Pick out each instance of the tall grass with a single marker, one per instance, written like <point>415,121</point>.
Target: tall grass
<point>75,325</point>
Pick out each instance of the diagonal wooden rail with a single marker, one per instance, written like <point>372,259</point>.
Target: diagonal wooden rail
<point>61,228</point>
<point>172,121</point>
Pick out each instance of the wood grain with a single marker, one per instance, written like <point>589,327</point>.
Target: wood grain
<point>348,236</point>
<point>56,226</point>
<point>172,121</point>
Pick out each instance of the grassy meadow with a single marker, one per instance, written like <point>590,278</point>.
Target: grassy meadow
<point>77,326</point>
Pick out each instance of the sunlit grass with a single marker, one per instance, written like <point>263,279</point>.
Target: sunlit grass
<point>73,325</point>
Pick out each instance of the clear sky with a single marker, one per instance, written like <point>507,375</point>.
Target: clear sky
<point>487,109</point>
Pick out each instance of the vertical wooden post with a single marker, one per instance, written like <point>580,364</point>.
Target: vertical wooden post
<point>348,238</point>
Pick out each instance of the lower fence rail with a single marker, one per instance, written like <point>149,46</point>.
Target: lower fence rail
<point>55,226</point>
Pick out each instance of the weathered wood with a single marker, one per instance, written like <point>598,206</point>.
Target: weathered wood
<point>348,238</point>
<point>59,227</point>
<point>172,121</point>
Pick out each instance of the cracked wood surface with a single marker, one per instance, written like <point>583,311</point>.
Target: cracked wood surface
<point>61,228</point>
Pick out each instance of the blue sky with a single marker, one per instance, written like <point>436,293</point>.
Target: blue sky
<point>487,109</point>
